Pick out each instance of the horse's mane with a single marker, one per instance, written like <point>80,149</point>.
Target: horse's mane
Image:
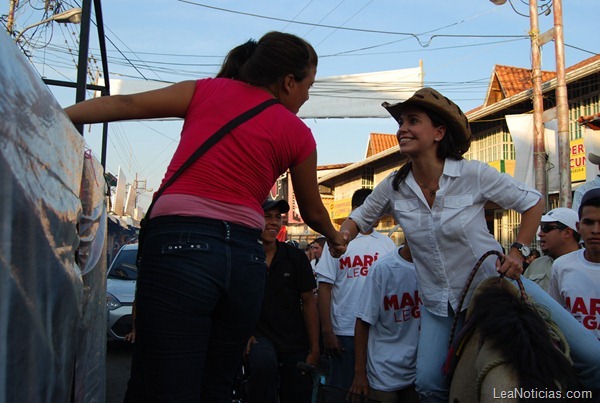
<point>516,329</point>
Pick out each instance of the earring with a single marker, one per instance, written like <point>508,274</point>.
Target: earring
<point>436,140</point>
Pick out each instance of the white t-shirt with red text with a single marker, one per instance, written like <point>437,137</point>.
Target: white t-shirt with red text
<point>390,303</point>
<point>347,275</point>
<point>575,284</point>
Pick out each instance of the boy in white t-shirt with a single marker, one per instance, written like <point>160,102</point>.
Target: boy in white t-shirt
<point>387,331</point>
<point>340,283</point>
<point>575,279</point>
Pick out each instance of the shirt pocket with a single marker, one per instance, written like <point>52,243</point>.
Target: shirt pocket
<point>454,214</point>
<point>458,201</point>
<point>407,213</point>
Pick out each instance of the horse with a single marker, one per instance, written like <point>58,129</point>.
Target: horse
<point>507,350</point>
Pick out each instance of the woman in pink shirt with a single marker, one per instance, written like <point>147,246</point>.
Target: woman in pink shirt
<point>202,270</point>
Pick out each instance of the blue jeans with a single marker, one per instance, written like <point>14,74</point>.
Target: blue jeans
<point>198,298</point>
<point>435,331</point>
<point>271,374</point>
<point>434,335</point>
<point>342,366</point>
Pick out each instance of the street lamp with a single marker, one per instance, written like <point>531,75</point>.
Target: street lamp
<point>562,104</point>
<point>72,16</point>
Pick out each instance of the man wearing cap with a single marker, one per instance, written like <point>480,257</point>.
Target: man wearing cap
<point>288,328</point>
<point>558,236</point>
<point>575,279</point>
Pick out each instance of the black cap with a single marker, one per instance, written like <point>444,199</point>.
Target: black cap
<point>281,204</point>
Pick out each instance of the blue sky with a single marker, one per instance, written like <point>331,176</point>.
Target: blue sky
<point>458,42</point>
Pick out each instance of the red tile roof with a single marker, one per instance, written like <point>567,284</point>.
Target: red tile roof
<point>379,142</point>
<point>514,80</point>
<point>583,63</point>
<point>508,81</point>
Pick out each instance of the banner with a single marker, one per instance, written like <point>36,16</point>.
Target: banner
<point>521,131</point>
<point>346,96</point>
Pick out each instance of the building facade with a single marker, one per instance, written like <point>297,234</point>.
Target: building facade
<point>509,93</point>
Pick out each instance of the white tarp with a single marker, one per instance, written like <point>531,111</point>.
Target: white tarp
<point>346,96</point>
<point>360,95</point>
<point>521,131</point>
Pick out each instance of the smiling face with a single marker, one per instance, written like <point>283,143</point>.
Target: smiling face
<point>417,134</point>
<point>273,223</point>
<point>295,93</point>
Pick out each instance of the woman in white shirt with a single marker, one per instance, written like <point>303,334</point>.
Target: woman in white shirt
<point>438,198</point>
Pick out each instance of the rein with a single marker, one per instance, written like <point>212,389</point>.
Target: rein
<point>555,333</point>
<point>465,289</point>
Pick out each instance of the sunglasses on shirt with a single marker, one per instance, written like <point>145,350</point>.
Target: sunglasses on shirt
<point>545,228</point>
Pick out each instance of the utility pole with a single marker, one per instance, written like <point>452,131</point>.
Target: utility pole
<point>562,109</point>
<point>539,144</point>
<point>562,102</point>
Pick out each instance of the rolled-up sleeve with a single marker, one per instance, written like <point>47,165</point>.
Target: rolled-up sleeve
<point>505,190</point>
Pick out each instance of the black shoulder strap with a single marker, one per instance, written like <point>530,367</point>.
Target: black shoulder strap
<point>211,141</point>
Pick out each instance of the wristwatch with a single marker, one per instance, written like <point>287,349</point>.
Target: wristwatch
<point>524,249</point>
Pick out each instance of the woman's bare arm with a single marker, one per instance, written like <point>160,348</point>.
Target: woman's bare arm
<point>314,213</point>
<point>171,101</point>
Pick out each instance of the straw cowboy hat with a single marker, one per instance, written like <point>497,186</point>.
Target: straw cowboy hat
<point>430,99</point>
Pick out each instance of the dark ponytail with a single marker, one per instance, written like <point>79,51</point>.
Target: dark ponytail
<point>267,61</point>
<point>236,58</point>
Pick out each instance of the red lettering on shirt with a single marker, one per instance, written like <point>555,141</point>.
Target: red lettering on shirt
<point>590,322</point>
<point>357,261</point>
<point>406,314</point>
<point>407,300</point>
<point>594,306</point>
<point>391,302</point>
<point>408,306</point>
<point>345,262</point>
<point>579,306</point>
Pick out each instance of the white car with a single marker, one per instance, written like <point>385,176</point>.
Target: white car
<point>120,292</point>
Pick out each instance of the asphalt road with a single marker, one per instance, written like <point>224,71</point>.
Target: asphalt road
<point>118,367</point>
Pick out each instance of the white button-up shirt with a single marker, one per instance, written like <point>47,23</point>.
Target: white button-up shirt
<point>447,239</point>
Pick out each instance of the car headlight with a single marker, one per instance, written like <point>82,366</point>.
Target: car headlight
<point>112,302</point>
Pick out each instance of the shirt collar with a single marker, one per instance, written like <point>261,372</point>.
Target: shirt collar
<point>452,167</point>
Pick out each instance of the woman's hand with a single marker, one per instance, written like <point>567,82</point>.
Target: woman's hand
<point>513,264</point>
<point>337,245</point>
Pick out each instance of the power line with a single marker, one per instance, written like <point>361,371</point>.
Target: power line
<point>364,30</point>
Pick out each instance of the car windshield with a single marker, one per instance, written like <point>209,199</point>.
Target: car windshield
<point>124,267</point>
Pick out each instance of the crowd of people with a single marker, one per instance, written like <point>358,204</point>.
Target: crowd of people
<point>216,287</point>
